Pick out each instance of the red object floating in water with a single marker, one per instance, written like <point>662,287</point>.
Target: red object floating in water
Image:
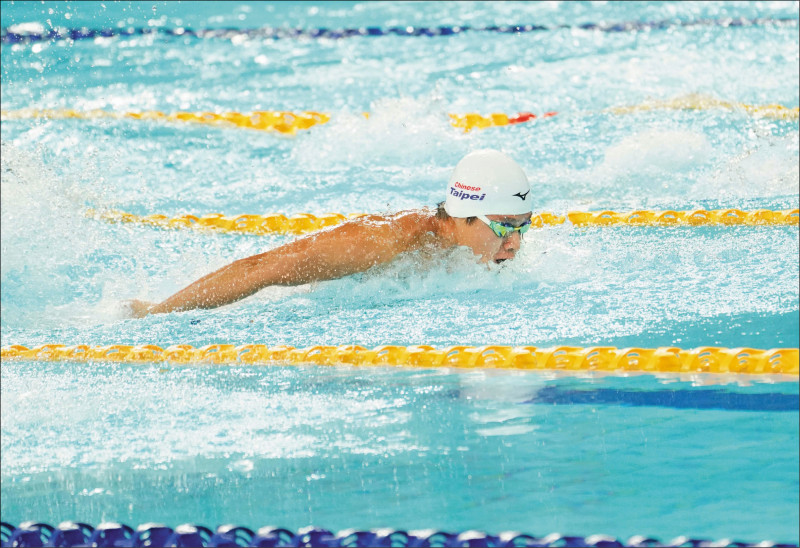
<point>522,117</point>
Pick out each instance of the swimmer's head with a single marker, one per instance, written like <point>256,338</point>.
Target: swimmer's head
<point>487,182</point>
<point>488,186</point>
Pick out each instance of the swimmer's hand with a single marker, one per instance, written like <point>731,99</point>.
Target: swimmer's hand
<point>137,308</point>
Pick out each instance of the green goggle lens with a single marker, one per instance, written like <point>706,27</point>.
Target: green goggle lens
<point>502,230</point>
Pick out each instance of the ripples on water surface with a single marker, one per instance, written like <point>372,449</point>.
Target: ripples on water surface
<point>343,447</point>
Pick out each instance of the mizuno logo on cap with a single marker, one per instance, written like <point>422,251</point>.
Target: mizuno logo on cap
<point>522,196</point>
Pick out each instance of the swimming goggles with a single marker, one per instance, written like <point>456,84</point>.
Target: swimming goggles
<point>502,230</point>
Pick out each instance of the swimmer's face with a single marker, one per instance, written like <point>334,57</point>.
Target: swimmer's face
<point>485,243</point>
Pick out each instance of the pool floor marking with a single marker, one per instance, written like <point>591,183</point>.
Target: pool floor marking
<point>606,359</point>
<point>697,398</point>
<point>302,223</point>
<point>36,32</point>
<point>289,123</point>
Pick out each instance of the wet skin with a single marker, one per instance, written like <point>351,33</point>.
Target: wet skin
<point>484,243</point>
<point>345,249</point>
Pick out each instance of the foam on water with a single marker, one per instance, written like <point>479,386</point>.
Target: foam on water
<point>406,132</point>
<point>770,168</point>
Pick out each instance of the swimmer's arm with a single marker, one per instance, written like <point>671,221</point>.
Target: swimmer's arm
<point>346,249</point>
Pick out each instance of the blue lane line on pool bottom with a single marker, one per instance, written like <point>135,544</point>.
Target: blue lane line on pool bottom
<point>12,35</point>
<point>678,399</point>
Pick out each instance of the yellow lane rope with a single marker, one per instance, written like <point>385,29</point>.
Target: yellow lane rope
<point>270,223</point>
<point>290,123</point>
<point>705,102</point>
<point>783,361</point>
<point>301,223</point>
<point>280,121</point>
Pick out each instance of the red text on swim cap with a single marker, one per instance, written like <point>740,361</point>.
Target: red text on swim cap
<point>465,187</point>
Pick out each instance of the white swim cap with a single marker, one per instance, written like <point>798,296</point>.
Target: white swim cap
<point>487,182</point>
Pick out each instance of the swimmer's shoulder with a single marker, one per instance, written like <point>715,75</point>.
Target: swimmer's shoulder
<point>411,220</point>
<point>407,230</point>
<point>417,221</point>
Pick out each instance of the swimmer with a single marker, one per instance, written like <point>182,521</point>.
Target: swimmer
<point>487,209</point>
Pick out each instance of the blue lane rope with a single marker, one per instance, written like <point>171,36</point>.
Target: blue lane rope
<point>71,533</point>
<point>9,36</point>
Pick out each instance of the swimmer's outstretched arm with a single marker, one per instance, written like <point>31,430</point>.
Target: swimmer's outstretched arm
<point>346,249</point>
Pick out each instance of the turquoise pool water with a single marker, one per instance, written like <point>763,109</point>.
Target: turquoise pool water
<point>343,447</point>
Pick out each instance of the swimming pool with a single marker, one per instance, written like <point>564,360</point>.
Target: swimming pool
<point>661,455</point>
